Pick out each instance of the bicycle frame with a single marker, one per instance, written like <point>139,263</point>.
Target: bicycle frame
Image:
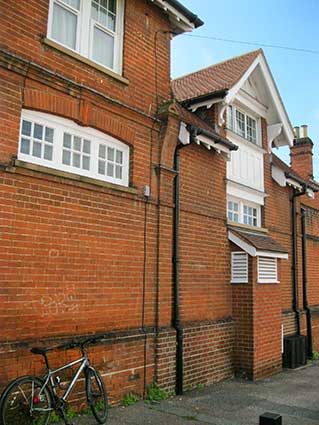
<point>49,378</point>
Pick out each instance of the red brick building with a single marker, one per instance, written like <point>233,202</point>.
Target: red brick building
<point>105,179</point>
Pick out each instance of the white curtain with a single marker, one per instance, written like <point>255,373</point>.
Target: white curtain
<point>103,48</point>
<point>64,26</point>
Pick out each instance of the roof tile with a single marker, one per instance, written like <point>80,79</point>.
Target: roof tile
<point>221,76</point>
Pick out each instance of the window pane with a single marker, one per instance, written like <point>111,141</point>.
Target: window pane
<point>49,134</point>
<point>38,131</point>
<point>118,172</point>
<point>102,151</point>
<point>111,21</point>
<point>66,157</point>
<point>240,123</point>
<point>110,154</point>
<point>64,26</point>
<point>101,167</point>
<point>67,140</point>
<point>86,146</point>
<point>103,16</point>
<point>103,48</point>
<point>112,6</point>
<point>110,169</point>
<point>95,11</point>
<point>48,152</point>
<point>25,146</point>
<point>26,128</point>
<point>76,160</point>
<point>73,3</point>
<point>251,130</point>
<point>36,149</point>
<point>77,143</point>
<point>86,163</point>
<point>119,157</point>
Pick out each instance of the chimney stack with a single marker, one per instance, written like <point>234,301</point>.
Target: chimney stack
<point>301,153</point>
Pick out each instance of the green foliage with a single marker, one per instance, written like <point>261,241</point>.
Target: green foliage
<point>190,418</point>
<point>71,414</point>
<point>315,355</point>
<point>200,386</point>
<point>54,418</point>
<point>130,399</point>
<point>154,393</point>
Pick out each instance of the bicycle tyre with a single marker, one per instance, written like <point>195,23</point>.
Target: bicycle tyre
<point>96,395</point>
<point>16,399</point>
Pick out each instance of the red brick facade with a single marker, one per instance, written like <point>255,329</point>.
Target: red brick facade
<point>82,257</point>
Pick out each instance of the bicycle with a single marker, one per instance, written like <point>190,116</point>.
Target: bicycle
<point>30,400</point>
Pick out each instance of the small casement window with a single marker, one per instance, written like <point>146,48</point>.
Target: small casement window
<point>239,267</point>
<point>241,211</point>
<point>267,270</point>
<point>92,28</point>
<point>62,144</point>
<point>233,211</point>
<point>250,215</point>
<point>242,124</point>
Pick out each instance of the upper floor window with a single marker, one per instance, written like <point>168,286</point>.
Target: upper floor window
<point>92,28</point>
<point>244,212</point>
<point>62,144</point>
<point>242,124</point>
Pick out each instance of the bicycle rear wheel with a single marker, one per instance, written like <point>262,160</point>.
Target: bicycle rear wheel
<point>24,403</point>
<point>96,395</point>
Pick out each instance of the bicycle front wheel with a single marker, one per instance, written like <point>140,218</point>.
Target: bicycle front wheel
<point>96,395</point>
<point>24,403</point>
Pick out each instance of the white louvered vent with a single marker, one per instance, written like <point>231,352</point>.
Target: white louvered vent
<point>239,267</point>
<point>267,270</point>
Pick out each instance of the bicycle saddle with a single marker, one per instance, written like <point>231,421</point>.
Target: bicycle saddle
<point>40,350</point>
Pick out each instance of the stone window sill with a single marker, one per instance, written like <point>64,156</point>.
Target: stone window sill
<point>85,60</point>
<point>71,176</point>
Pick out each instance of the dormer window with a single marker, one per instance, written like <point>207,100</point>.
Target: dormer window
<point>242,124</point>
<point>91,28</point>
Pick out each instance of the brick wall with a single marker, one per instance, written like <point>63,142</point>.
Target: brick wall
<point>79,257</point>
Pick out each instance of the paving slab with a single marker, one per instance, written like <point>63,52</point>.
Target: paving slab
<point>293,393</point>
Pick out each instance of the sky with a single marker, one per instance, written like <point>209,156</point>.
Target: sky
<point>292,23</point>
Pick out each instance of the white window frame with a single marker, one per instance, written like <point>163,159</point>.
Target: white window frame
<point>232,123</point>
<point>273,279</point>
<point>241,204</point>
<point>61,126</point>
<point>244,257</point>
<point>85,29</point>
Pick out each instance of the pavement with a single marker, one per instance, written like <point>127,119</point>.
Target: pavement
<point>294,394</point>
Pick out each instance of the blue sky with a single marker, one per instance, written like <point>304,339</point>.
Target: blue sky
<point>282,22</point>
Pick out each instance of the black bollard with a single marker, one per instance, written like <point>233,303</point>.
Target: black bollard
<point>270,419</point>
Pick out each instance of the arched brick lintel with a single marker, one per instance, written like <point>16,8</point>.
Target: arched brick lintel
<point>80,111</point>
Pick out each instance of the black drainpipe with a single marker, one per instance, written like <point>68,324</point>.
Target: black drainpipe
<point>305,283</point>
<point>294,257</point>
<point>176,267</point>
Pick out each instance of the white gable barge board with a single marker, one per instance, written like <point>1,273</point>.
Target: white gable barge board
<point>251,250</point>
<point>261,61</point>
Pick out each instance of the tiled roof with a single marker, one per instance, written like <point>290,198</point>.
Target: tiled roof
<point>260,241</point>
<point>221,76</point>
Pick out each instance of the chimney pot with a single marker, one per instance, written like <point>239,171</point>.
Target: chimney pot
<point>304,131</point>
<point>297,133</point>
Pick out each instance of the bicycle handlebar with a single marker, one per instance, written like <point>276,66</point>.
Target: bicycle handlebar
<point>82,343</point>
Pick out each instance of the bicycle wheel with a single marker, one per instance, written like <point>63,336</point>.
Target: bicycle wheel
<point>96,395</point>
<point>24,403</point>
